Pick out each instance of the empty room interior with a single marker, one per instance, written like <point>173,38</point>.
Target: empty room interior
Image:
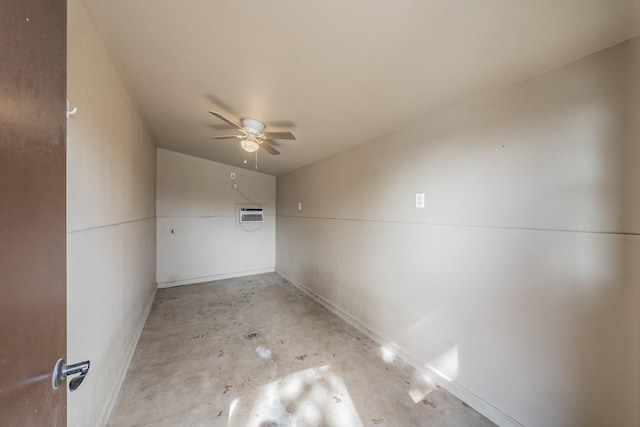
<point>421,213</point>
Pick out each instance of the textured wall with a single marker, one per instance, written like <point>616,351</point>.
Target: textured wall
<point>196,200</point>
<point>111,225</point>
<point>518,282</point>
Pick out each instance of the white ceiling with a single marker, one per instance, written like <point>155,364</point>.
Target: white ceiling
<point>338,73</point>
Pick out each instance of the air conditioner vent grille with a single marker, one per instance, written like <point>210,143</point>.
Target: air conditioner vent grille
<point>251,215</point>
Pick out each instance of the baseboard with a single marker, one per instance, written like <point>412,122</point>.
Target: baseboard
<point>476,402</point>
<point>115,390</point>
<point>193,280</point>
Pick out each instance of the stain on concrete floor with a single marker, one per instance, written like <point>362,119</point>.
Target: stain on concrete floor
<point>195,366</point>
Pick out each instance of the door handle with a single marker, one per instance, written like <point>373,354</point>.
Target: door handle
<point>62,370</point>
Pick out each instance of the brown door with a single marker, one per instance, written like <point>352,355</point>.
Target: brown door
<point>32,210</point>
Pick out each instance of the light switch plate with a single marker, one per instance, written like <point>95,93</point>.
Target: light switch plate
<point>420,200</point>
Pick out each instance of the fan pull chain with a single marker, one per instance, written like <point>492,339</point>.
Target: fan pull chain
<point>256,159</point>
<point>245,157</point>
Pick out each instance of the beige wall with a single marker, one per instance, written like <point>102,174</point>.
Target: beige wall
<point>196,199</point>
<point>518,283</point>
<point>110,221</point>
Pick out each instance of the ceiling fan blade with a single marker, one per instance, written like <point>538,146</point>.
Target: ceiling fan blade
<point>221,117</point>
<point>268,148</point>
<point>279,135</point>
<point>228,136</point>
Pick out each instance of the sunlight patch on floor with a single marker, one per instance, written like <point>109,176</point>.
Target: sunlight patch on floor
<point>444,366</point>
<point>387,355</point>
<point>313,397</point>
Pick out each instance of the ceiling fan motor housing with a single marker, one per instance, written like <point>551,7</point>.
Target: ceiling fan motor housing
<point>252,126</point>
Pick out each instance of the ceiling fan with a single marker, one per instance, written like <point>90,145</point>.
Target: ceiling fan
<point>252,136</point>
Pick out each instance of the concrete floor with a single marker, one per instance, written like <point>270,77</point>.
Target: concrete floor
<point>195,366</point>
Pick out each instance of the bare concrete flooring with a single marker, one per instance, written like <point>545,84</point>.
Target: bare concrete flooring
<point>195,366</point>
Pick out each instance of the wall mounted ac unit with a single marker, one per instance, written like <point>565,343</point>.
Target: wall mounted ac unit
<point>251,215</point>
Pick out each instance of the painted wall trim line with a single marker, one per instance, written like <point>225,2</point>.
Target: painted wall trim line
<point>115,224</point>
<point>467,396</point>
<point>195,280</point>
<point>115,390</point>
<point>494,227</point>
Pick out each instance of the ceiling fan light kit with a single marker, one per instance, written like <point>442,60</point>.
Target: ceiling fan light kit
<point>252,136</point>
<point>249,145</point>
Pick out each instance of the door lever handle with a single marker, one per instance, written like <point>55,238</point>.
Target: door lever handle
<point>62,370</point>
